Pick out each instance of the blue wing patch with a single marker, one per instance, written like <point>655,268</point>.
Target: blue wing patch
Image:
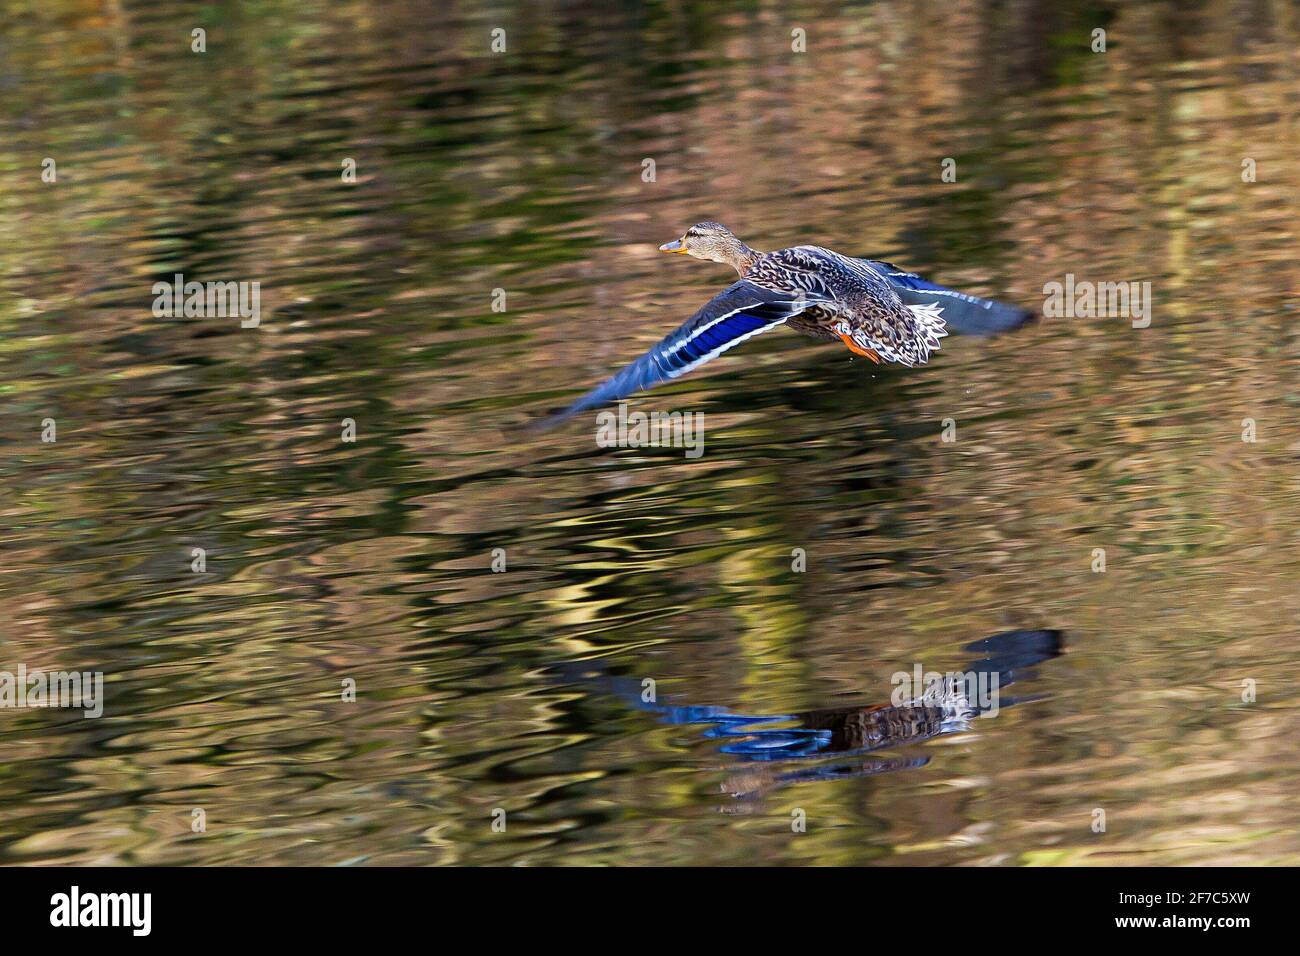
<point>689,347</point>
<point>739,312</point>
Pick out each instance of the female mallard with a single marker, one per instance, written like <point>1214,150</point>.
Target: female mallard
<point>874,308</point>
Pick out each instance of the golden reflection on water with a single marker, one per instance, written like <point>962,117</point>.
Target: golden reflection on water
<point>330,561</point>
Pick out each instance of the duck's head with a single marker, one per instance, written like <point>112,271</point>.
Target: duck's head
<point>712,241</point>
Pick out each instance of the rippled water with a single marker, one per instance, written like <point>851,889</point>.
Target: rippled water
<point>524,691</point>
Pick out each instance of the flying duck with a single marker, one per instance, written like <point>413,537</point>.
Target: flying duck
<point>879,311</point>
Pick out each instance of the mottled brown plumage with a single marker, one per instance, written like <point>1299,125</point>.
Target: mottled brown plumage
<point>848,299</point>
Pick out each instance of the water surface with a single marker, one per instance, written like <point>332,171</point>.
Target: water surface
<point>371,561</point>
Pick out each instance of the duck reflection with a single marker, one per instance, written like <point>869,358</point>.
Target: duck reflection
<point>779,749</point>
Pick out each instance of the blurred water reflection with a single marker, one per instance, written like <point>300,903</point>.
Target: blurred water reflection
<point>371,561</point>
<point>829,744</point>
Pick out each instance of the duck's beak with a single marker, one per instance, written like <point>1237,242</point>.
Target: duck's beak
<point>677,245</point>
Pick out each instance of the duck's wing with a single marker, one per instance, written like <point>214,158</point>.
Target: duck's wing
<point>962,313</point>
<point>739,312</point>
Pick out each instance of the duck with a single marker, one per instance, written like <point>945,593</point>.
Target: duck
<point>879,311</point>
<point>916,711</point>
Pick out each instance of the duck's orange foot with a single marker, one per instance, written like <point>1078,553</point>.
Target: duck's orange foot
<point>859,350</point>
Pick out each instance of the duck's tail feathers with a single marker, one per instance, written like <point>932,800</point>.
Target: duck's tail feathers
<point>930,327</point>
<point>964,314</point>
